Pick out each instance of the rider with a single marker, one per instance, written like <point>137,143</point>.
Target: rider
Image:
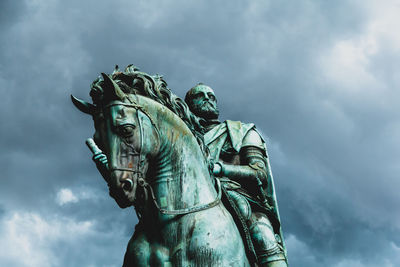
<point>241,164</point>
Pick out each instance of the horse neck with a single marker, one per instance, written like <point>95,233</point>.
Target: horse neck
<point>181,177</point>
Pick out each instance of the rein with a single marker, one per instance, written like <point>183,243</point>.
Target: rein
<point>128,183</point>
<point>214,203</point>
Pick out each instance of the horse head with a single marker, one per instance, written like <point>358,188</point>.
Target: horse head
<point>127,136</point>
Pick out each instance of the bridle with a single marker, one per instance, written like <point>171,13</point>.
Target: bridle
<point>128,184</point>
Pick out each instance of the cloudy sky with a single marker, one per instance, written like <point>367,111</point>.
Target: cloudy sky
<point>320,79</point>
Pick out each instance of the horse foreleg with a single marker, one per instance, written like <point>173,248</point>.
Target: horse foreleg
<point>138,251</point>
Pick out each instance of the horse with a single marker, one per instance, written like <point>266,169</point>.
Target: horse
<point>156,163</point>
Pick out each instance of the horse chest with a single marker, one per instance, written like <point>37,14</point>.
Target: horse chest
<point>177,242</point>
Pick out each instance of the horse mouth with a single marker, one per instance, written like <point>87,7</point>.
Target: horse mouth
<point>124,193</point>
<point>127,185</point>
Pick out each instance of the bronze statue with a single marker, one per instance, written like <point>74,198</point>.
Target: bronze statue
<point>241,164</point>
<point>149,147</point>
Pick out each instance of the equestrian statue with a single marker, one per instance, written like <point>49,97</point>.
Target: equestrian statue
<point>151,149</point>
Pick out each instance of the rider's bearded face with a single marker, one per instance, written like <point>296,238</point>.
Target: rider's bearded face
<point>203,102</point>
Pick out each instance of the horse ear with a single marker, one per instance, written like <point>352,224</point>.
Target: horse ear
<point>83,106</point>
<point>112,87</point>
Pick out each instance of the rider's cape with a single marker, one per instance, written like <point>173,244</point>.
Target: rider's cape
<point>217,141</point>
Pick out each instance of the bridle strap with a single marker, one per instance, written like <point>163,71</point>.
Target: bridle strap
<point>124,169</point>
<point>132,104</point>
<point>186,210</point>
<point>122,104</point>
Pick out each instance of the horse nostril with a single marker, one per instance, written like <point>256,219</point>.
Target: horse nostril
<point>127,184</point>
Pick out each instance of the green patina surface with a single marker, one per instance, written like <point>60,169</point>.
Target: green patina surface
<point>202,189</point>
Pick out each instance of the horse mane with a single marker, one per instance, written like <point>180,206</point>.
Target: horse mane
<point>133,81</point>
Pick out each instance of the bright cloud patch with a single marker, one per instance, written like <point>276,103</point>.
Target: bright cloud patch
<point>68,196</point>
<point>350,62</point>
<point>27,239</point>
<point>65,196</point>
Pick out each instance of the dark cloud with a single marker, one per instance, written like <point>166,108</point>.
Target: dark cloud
<point>319,80</point>
<point>2,211</point>
<point>11,13</point>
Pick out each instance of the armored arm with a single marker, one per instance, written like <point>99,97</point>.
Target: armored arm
<point>252,171</point>
<point>252,168</point>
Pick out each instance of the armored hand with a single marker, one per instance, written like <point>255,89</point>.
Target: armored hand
<point>252,175</point>
<point>99,158</point>
<point>254,167</point>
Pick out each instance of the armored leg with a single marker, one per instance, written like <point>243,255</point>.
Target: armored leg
<point>269,251</point>
<point>241,203</point>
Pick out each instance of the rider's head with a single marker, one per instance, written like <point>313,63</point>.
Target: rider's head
<point>202,102</point>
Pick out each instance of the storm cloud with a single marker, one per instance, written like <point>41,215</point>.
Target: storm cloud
<point>320,80</point>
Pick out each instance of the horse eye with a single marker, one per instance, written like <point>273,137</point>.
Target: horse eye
<point>126,130</point>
